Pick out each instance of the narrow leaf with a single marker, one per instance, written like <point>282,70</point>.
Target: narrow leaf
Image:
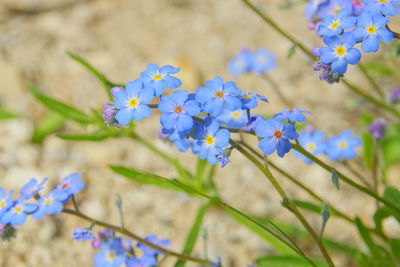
<point>194,233</point>
<point>326,213</point>
<point>59,107</point>
<point>46,126</point>
<point>5,114</point>
<point>285,261</point>
<point>368,149</point>
<point>85,137</point>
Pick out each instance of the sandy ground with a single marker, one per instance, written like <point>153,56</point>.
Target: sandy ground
<point>120,37</point>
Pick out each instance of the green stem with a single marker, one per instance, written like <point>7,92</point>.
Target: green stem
<point>310,191</point>
<point>135,237</point>
<point>307,51</point>
<point>371,80</point>
<point>344,178</point>
<point>287,201</point>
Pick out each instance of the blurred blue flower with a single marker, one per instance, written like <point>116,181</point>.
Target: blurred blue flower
<point>240,63</point>
<point>249,100</point>
<point>82,234</point>
<point>292,115</point>
<point>154,240</point>
<point>313,142</point>
<point>342,146</point>
<point>334,25</point>
<point>110,254</point>
<point>51,203</point>
<point>263,61</point>
<point>17,213</point>
<point>72,184</point>
<point>387,7</point>
<point>31,188</point>
<point>233,119</point>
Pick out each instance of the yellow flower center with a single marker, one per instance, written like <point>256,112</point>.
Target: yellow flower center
<point>236,114</point>
<point>278,134</point>
<point>246,96</point>
<point>133,102</point>
<point>337,9</point>
<point>210,139</point>
<point>2,204</point>
<point>178,109</point>
<point>371,29</point>
<point>111,256</point>
<point>342,144</point>
<point>157,76</point>
<point>340,50</point>
<point>382,1</point>
<point>219,94</point>
<point>18,209</point>
<point>311,147</point>
<point>335,25</point>
<point>48,201</point>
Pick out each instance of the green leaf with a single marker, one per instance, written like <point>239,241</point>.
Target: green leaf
<point>285,261</point>
<point>335,179</point>
<point>368,149</point>
<point>307,206</point>
<point>59,107</point>
<point>100,77</point>
<point>99,136</point>
<point>194,232</point>
<point>46,126</point>
<point>5,114</point>
<point>390,151</point>
<point>148,178</point>
<point>395,248</point>
<point>393,195</point>
<point>381,214</point>
<point>291,51</point>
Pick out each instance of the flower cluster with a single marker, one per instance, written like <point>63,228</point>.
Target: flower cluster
<point>202,121</point>
<point>339,147</point>
<point>117,251</point>
<point>259,62</point>
<point>344,23</point>
<point>14,212</point>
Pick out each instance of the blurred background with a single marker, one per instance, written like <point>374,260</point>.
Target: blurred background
<point>120,37</point>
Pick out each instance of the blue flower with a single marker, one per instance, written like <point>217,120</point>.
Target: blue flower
<point>312,7</point>
<point>387,7</point>
<point>178,111</point>
<point>263,61</point>
<point>181,140</point>
<point>233,119</point>
<point>292,115</point>
<point>343,146</point>
<point>370,29</point>
<point>154,240</point>
<point>51,203</point>
<point>131,103</point>
<point>334,25</point>
<point>5,200</point>
<point>31,188</point>
<point>72,184</point>
<point>249,100</point>
<point>144,261</point>
<point>82,234</point>
<point>334,7</point>
<point>275,136</point>
<point>217,96</point>
<point>17,213</point>
<point>240,63</point>
<point>313,142</point>
<point>159,78</point>
<point>212,140</point>
<point>111,254</point>
<point>252,123</point>
<point>340,52</point>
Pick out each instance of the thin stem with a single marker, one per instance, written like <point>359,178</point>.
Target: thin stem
<point>307,51</point>
<point>355,172</point>
<point>375,166</point>
<point>310,191</point>
<point>74,203</point>
<point>135,237</point>
<point>276,88</point>
<point>371,80</point>
<point>344,178</point>
<point>290,206</point>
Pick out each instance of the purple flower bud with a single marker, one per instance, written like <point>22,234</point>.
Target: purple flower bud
<point>109,113</point>
<point>315,51</point>
<point>223,159</point>
<point>82,234</point>
<point>317,66</point>
<point>394,96</point>
<point>309,128</point>
<point>162,135</point>
<point>115,90</point>
<point>378,128</point>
